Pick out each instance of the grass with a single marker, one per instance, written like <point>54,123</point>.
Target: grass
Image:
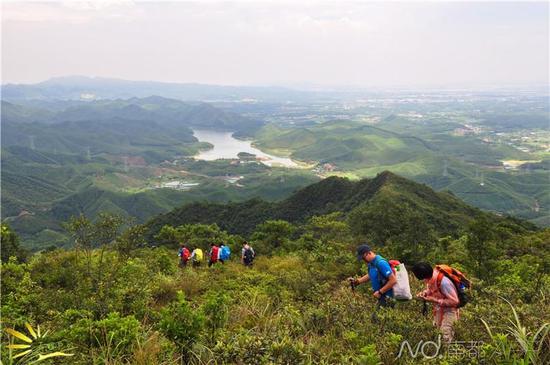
<point>516,337</point>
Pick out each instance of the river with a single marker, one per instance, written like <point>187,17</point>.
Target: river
<point>226,146</point>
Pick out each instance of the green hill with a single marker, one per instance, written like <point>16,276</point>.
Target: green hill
<point>43,189</point>
<point>113,299</point>
<point>426,152</point>
<point>387,192</point>
<point>157,111</point>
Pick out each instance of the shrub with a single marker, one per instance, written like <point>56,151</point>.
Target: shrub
<point>109,338</point>
<point>215,314</point>
<point>181,324</point>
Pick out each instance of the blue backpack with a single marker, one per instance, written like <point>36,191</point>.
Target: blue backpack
<point>225,253</point>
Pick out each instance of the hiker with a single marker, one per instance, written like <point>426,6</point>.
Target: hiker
<point>183,254</point>
<point>247,254</point>
<point>214,254</point>
<point>442,292</point>
<point>379,273</point>
<point>196,257</point>
<point>224,253</point>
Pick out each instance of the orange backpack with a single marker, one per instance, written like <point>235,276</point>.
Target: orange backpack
<point>460,281</point>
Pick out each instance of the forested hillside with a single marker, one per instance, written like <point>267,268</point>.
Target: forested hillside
<point>253,182</point>
<point>431,151</point>
<point>114,299</point>
<point>68,157</point>
<point>368,203</point>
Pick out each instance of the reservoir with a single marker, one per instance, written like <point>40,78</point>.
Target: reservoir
<point>227,147</point>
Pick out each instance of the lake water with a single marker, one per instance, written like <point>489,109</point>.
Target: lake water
<point>226,146</point>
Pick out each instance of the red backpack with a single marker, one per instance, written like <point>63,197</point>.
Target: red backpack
<point>185,254</point>
<point>393,264</point>
<point>214,255</point>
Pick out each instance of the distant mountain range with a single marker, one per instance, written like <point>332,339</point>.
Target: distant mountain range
<point>157,109</point>
<point>90,88</point>
<point>119,126</point>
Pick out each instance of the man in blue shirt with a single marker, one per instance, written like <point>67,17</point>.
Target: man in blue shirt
<point>379,273</point>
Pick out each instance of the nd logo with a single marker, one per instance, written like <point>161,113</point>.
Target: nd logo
<point>427,349</point>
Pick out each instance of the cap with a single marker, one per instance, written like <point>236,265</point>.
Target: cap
<point>361,250</point>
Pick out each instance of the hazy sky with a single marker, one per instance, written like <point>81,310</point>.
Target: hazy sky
<point>243,43</point>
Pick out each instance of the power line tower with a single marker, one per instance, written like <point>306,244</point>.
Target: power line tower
<point>445,166</point>
<point>32,146</point>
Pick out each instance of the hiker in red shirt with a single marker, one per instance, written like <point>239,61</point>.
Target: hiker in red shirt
<point>442,292</point>
<point>214,254</point>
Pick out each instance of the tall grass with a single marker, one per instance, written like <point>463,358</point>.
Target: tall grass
<point>518,344</point>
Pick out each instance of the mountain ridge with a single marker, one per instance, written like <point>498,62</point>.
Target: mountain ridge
<point>442,211</point>
<point>74,87</point>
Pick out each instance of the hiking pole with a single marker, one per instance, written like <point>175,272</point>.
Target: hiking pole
<point>352,285</point>
<point>424,308</point>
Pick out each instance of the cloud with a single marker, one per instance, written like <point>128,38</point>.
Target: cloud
<point>70,12</point>
<point>366,43</point>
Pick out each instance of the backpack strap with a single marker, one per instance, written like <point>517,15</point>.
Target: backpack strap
<point>381,279</point>
<point>439,280</point>
<point>374,263</point>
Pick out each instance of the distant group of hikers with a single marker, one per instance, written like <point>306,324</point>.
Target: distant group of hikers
<point>216,254</point>
<point>445,287</point>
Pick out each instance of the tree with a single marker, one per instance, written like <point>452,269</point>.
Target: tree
<point>378,221</point>
<point>272,235</point>
<point>10,245</point>
<point>99,234</point>
<point>132,238</point>
<point>482,251</point>
<point>416,239</point>
<point>196,235</point>
<point>330,228</point>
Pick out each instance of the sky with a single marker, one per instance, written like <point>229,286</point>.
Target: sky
<point>360,44</point>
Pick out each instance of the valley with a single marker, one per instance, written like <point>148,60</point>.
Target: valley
<point>274,183</point>
<point>140,157</point>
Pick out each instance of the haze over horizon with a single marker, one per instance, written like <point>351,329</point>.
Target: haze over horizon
<point>282,44</point>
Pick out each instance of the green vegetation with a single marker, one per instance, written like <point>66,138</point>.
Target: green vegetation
<point>41,228</point>
<point>159,113</point>
<point>387,197</point>
<point>132,156</point>
<point>113,299</point>
<point>428,151</point>
<point>105,287</point>
<point>10,244</point>
<point>67,158</point>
